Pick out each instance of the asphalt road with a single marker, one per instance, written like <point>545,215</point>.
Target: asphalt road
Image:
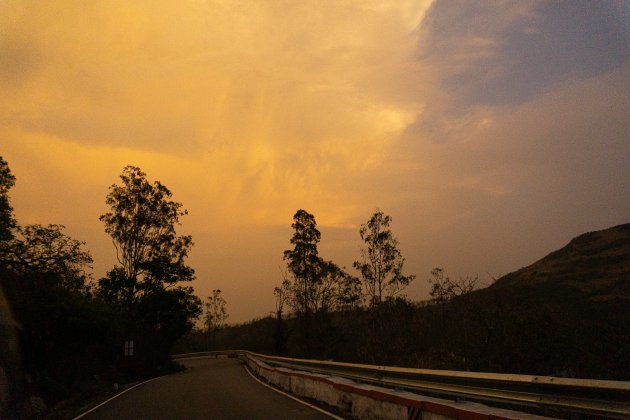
<point>209,389</point>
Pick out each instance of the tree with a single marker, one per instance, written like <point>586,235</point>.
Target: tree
<point>10,362</point>
<point>142,224</point>
<point>7,222</point>
<point>304,262</point>
<point>336,289</point>
<point>381,264</point>
<point>151,259</point>
<point>443,289</point>
<point>216,314</point>
<point>47,249</point>
<point>281,294</point>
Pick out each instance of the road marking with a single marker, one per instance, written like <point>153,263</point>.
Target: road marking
<point>114,397</point>
<point>293,398</point>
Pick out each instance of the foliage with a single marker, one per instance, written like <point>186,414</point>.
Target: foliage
<point>282,294</point>
<point>304,263</point>
<point>47,249</point>
<point>381,262</point>
<point>336,289</point>
<point>142,224</point>
<point>443,289</point>
<point>71,341</point>
<point>216,314</point>
<point>313,285</point>
<point>151,257</point>
<point>66,335</point>
<point>170,313</point>
<point>7,221</point>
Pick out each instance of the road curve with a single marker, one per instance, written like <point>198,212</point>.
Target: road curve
<point>209,389</point>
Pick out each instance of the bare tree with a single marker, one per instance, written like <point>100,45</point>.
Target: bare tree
<point>444,289</point>
<point>282,294</point>
<point>216,314</point>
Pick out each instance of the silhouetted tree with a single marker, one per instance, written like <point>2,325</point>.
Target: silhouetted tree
<point>443,289</point>
<point>47,249</point>
<point>10,361</point>
<point>281,294</point>
<point>65,336</point>
<point>381,262</point>
<point>142,224</point>
<point>336,289</point>
<point>304,263</point>
<point>151,255</point>
<point>7,222</point>
<point>216,314</point>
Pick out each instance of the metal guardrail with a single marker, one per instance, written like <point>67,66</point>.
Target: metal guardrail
<point>204,354</point>
<point>558,397</point>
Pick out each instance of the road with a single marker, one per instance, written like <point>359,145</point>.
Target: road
<point>209,389</point>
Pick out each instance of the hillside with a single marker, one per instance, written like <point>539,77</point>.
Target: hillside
<point>596,263</point>
<point>567,314</point>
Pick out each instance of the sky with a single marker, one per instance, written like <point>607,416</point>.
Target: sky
<point>492,132</point>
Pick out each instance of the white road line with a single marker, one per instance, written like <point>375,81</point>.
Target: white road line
<point>114,397</point>
<point>292,397</point>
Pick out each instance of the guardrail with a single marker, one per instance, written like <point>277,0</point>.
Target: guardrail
<point>561,397</point>
<point>215,354</point>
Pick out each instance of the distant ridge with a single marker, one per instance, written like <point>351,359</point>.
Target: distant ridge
<point>595,263</point>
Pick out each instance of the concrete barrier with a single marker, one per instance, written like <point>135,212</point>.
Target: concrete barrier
<point>372,402</point>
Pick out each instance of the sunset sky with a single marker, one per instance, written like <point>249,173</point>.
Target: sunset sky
<point>491,132</point>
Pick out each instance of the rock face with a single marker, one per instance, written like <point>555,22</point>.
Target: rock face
<point>595,263</point>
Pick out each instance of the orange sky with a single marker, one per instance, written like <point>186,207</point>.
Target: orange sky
<point>492,134</point>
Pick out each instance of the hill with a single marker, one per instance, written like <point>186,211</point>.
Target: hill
<point>595,263</point>
<point>567,314</point>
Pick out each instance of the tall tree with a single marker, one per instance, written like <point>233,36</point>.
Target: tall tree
<point>216,314</point>
<point>10,362</point>
<point>304,262</point>
<point>381,262</point>
<point>151,258</point>
<point>142,224</point>
<point>7,222</point>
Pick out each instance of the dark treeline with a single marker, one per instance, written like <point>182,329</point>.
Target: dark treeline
<point>64,336</point>
<point>566,315</point>
<point>544,331</point>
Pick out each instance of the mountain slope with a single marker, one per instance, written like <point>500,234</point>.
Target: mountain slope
<point>595,263</point>
<point>566,314</point>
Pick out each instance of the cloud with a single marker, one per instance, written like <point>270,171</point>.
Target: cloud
<point>505,53</point>
<point>491,133</point>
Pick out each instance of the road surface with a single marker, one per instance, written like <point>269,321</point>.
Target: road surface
<point>209,389</point>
